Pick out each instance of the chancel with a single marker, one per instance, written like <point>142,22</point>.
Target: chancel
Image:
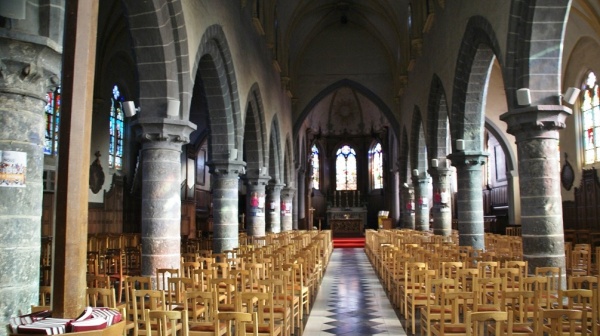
<point>347,215</point>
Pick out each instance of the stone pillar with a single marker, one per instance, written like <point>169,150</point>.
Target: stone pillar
<point>162,140</point>
<point>408,209</point>
<point>469,198</point>
<point>224,182</point>
<point>272,207</point>
<point>536,131</point>
<point>255,206</point>
<point>287,195</point>
<point>442,210</point>
<point>395,206</point>
<point>300,197</point>
<point>421,183</point>
<point>24,82</point>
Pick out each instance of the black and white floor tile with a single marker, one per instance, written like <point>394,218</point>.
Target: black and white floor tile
<point>351,300</point>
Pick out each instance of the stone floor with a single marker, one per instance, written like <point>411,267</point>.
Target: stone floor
<point>351,300</point>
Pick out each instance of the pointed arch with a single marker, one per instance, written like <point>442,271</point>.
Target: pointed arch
<point>275,162</point>
<point>437,121</point>
<point>418,147</point>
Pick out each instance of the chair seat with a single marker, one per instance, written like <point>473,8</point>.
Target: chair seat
<point>208,327</point>
<point>452,328</point>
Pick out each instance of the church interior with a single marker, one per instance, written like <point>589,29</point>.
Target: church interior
<point>188,135</point>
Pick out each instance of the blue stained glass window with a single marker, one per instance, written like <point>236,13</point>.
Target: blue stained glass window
<point>52,111</point>
<point>377,166</point>
<point>590,111</point>
<point>115,146</point>
<point>345,168</point>
<point>314,161</point>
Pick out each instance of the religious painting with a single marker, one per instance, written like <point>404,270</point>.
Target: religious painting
<point>13,166</point>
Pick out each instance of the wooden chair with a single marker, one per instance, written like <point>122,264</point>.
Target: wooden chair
<point>166,323</point>
<point>431,312</point>
<point>143,301</point>
<point>553,274</point>
<point>521,304</point>
<point>188,268</point>
<point>582,282</point>
<point>282,310</point>
<point>300,289</point>
<point>454,322</point>
<point>488,294</point>
<point>98,280</point>
<point>406,286</point>
<point>510,278</point>
<point>495,323</point>
<point>202,279</point>
<point>101,297</point>
<point>240,322</point>
<point>113,266</point>
<point>262,304</point>
<point>563,322</point>
<point>45,296</point>
<point>421,295</point>
<point>207,323</point>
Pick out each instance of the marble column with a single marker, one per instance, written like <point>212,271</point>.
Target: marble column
<point>255,205</point>
<point>162,140</point>
<point>421,183</point>
<point>469,197</point>
<point>408,208</point>
<point>442,210</point>
<point>287,195</point>
<point>536,130</point>
<point>272,207</point>
<point>224,183</point>
<point>24,81</point>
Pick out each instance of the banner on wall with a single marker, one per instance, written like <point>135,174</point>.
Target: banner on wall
<point>13,166</point>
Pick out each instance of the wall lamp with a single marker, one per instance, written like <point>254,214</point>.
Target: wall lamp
<point>130,109</point>
<point>460,144</point>
<point>571,95</point>
<point>524,97</point>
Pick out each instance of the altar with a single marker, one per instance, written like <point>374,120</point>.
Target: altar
<point>347,222</point>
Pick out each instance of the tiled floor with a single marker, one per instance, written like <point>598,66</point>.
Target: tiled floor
<point>351,301</point>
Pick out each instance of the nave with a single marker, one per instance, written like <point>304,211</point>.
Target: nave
<point>351,300</point>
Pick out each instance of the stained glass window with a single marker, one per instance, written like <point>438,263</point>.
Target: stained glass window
<point>52,110</point>
<point>377,166</point>
<point>345,168</point>
<point>590,111</point>
<point>115,146</point>
<point>314,162</point>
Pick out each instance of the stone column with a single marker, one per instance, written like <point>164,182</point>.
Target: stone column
<point>224,182</point>
<point>287,195</point>
<point>408,208</point>
<point>536,131</point>
<point>421,183</point>
<point>272,207</point>
<point>395,206</point>
<point>469,198</point>
<point>255,205</point>
<point>300,197</point>
<point>24,82</point>
<point>162,140</point>
<point>442,210</point>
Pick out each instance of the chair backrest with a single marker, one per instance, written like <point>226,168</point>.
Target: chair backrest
<point>208,300</point>
<point>477,323</point>
<point>562,322</point>
<point>176,288</point>
<point>98,280</point>
<point>240,322</point>
<point>188,267</point>
<point>582,282</point>
<point>142,300</point>
<point>162,276</point>
<point>167,323</point>
<point>264,308</point>
<point>101,297</point>
<point>523,305</point>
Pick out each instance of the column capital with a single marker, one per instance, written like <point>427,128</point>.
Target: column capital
<point>226,168</point>
<point>536,121</point>
<point>421,179</point>
<point>163,132</point>
<point>288,192</point>
<point>257,180</point>
<point>439,171</point>
<point>467,159</point>
<point>277,187</point>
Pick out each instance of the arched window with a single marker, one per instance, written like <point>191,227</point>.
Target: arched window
<point>314,163</point>
<point>590,111</point>
<point>115,146</point>
<point>376,156</point>
<point>345,168</point>
<point>52,110</point>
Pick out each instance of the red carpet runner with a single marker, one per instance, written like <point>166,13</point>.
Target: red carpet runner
<point>349,242</point>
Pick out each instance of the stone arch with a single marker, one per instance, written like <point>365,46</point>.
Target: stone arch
<point>387,112</point>
<point>275,162</point>
<point>478,50</point>
<point>213,66</point>
<point>499,134</point>
<point>161,64</point>
<point>437,120</point>
<point>288,168</point>
<point>255,134</point>
<point>535,35</point>
<point>418,146</point>
<point>403,158</point>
